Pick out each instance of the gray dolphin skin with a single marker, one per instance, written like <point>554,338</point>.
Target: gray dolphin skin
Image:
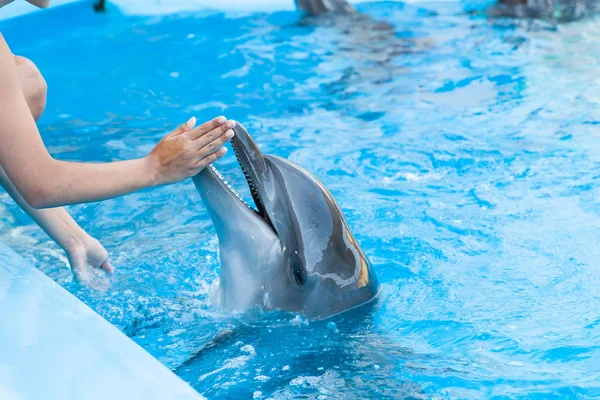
<point>316,7</point>
<point>559,10</point>
<point>296,251</point>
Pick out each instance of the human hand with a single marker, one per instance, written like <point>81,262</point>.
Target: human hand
<point>185,152</point>
<point>86,256</point>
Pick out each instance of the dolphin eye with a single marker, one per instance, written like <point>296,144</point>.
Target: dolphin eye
<point>298,271</point>
<point>300,276</point>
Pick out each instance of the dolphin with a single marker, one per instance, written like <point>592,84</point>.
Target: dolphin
<point>558,10</point>
<point>316,7</point>
<point>295,251</point>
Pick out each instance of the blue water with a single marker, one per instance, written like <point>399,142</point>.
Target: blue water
<point>464,153</point>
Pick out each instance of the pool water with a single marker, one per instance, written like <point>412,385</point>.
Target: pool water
<point>464,153</point>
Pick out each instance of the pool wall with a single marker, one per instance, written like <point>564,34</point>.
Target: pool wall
<point>52,346</point>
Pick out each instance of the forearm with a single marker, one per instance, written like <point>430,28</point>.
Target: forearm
<point>56,222</point>
<point>70,183</point>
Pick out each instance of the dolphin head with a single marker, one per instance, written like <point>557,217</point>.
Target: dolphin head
<point>295,251</point>
<point>316,7</point>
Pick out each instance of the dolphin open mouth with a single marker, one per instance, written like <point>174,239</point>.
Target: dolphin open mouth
<point>259,208</point>
<point>253,190</point>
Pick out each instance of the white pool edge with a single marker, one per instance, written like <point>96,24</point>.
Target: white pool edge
<point>53,346</point>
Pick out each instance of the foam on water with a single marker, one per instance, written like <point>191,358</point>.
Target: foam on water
<point>464,154</point>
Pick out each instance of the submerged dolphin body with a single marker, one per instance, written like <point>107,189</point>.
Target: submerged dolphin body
<point>559,10</point>
<point>316,7</point>
<point>296,252</point>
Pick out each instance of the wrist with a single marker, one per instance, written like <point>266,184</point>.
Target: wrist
<point>150,171</point>
<point>76,242</point>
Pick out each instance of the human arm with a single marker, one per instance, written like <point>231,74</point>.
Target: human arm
<point>83,251</point>
<point>45,182</point>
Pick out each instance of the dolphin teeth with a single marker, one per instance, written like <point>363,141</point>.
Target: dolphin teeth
<point>235,192</point>
<point>259,209</point>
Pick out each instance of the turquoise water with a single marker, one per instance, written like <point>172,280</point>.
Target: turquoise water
<point>464,153</point>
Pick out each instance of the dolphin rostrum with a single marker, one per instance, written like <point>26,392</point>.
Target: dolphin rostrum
<point>295,251</point>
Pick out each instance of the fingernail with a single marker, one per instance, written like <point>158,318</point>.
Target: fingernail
<point>221,120</point>
<point>231,124</point>
<point>223,150</point>
<point>229,134</point>
<point>191,121</point>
